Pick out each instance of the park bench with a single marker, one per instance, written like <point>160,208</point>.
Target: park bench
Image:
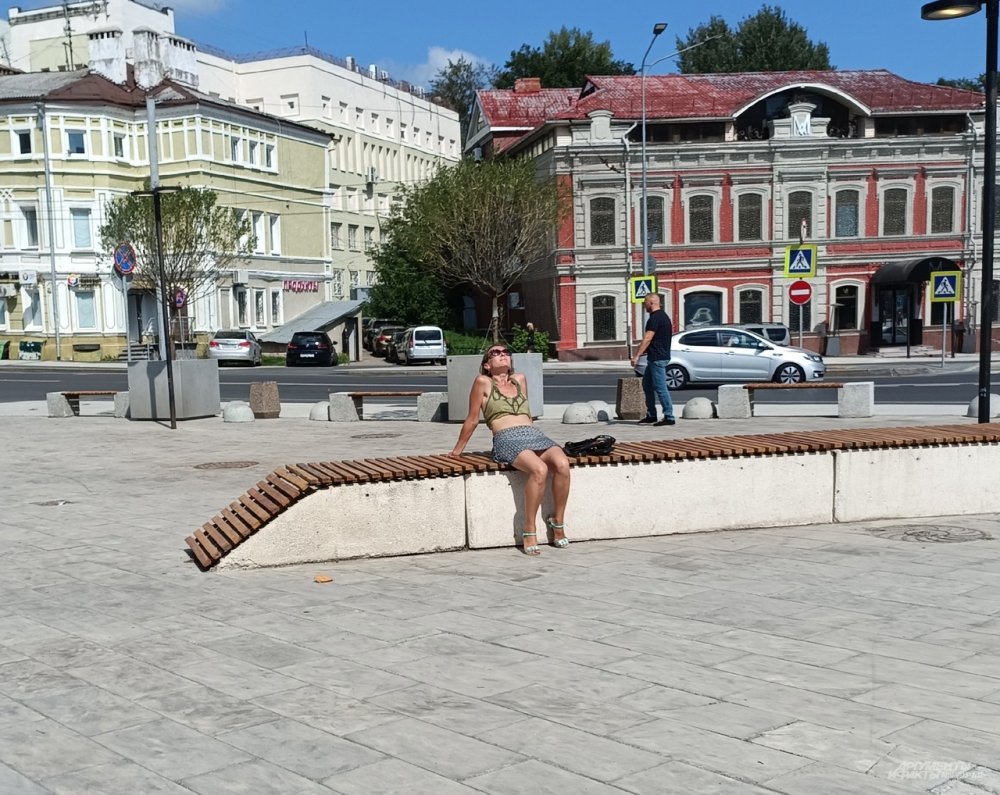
<point>67,403</point>
<point>442,502</point>
<point>350,406</point>
<point>853,399</point>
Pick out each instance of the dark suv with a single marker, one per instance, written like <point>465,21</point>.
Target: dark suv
<point>310,347</point>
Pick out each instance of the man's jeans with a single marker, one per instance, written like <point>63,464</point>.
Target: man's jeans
<point>654,384</point>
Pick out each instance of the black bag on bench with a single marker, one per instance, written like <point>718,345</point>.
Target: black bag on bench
<point>596,445</point>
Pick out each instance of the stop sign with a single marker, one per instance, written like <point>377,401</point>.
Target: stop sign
<point>799,292</point>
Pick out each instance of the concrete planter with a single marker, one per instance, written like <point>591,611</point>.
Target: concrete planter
<point>462,371</point>
<point>196,389</point>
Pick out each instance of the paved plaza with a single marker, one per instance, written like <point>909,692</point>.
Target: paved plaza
<point>851,658</point>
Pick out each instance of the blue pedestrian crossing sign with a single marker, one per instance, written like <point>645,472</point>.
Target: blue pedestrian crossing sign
<point>946,286</point>
<point>641,286</point>
<point>800,261</point>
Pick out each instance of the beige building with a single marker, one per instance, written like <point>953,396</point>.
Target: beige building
<point>88,131</point>
<point>383,134</point>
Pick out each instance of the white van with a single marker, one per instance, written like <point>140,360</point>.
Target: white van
<point>423,344</point>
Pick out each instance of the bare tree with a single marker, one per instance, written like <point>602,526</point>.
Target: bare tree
<point>482,224</point>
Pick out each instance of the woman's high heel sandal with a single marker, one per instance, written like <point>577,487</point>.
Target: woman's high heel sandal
<point>561,543</point>
<point>530,549</point>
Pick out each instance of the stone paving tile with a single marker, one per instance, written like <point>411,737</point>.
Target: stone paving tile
<point>971,713</point>
<point>261,650</point>
<point>681,777</point>
<point>569,707</point>
<point>13,782</point>
<point>206,710</point>
<point>301,749</point>
<point>236,678</point>
<point>824,779</point>
<point>567,647</point>
<point>732,720</point>
<point>116,778</point>
<point>256,776</point>
<point>43,748</point>
<point>536,777</point>
<point>658,701</point>
<point>837,713</point>
<point>950,742</point>
<point>869,641</point>
<point>326,710</point>
<point>953,680</point>
<point>448,710</point>
<point>170,749</point>
<point>699,679</point>
<point>25,678</point>
<point>90,710</point>
<point>806,652</point>
<point>710,750</point>
<point>673,648</point>
<point>579,751</point>
<point>441,751</point>
<point>343,677</point>
<point>812,677</point>
<point>394,777</point>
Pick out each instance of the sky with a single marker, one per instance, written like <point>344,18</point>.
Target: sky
<point>413,40</point>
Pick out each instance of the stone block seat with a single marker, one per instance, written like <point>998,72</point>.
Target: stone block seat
<point>337,510</point>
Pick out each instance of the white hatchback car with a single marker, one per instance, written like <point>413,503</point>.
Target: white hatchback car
<point>423,344</point>
<point>721,354</point>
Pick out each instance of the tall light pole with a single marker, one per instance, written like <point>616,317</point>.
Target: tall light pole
<point>658,28</point>
<point>952,9</point>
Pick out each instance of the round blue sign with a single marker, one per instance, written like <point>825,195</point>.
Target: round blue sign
<point>124,259</point>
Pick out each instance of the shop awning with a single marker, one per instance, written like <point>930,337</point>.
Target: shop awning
<point>322,317</point>
<point>915,271</point>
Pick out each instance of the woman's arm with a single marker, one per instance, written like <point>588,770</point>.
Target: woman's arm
<point>477,395</point>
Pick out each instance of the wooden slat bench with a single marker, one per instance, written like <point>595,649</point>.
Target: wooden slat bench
<point>71,398</point>
<point>350,406</point>
<point>284,487</point>
<point>853,399</point>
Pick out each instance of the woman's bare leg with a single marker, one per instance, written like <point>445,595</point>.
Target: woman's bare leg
<point>534,488</point>
<point>558,464</point>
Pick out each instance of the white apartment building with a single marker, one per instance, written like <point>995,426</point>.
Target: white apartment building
<point>384,134</point>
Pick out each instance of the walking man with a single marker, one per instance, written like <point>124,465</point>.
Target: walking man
<point>656,345</point>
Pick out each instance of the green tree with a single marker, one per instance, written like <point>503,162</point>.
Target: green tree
<point>201,240</point>
<point>478,224</point>
<point>563,61</point>
<point>768,41</point>
<point>456,86</point>
<point>404,289</point>
<point>967,83</point>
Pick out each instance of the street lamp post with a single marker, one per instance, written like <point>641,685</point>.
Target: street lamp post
<point>952,9</point>
<point>658,28</point>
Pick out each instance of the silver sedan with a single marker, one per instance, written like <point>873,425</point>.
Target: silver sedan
<point>720,354</point>
<point>239,347</point>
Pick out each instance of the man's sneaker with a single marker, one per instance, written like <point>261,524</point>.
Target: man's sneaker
<point>666,421</point>
<point>648,421</point>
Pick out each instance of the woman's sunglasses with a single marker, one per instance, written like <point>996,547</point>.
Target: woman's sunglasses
<point>497,352</point>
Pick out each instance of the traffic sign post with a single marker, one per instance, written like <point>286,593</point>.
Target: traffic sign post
<point>946,286</point>
<point>800,293</point>
<point>124,259</point>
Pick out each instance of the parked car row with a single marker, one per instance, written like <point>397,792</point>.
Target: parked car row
<point>403,345</point>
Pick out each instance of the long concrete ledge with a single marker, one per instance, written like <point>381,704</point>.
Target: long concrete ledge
<point>381,507</point>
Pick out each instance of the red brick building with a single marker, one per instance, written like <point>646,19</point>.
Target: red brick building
<point>883,175</point>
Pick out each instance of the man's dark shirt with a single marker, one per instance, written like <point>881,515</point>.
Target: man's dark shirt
<point>659,324</point>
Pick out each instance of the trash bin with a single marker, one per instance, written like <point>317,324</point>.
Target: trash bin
<point>29,349</point>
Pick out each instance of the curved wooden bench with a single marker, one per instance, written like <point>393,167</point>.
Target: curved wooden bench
<point>284,487</point>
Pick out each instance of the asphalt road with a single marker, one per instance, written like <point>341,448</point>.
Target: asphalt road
<point>308,385</point>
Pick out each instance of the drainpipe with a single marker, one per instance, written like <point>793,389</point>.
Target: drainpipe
<point>41,120</point>
<point>627,157</point>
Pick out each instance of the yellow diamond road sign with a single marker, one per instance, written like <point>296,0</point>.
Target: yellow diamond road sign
<point>641,286</point>
<point>800,261</point>
<point>946,286</point>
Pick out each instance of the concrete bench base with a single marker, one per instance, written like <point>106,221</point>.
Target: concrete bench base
<point>853,400</point>
<point>484,509</point>
<point>431,406</point>
<point>67,404</point>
